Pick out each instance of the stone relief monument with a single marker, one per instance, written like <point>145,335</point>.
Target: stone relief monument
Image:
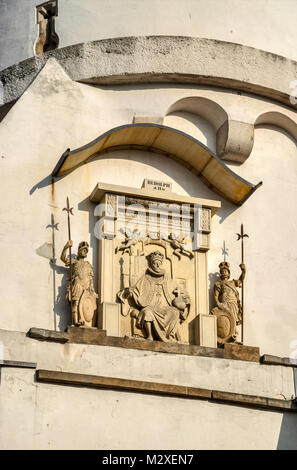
<point>178,245</point>
<point>156,302</point>
<point>229,308</point>
<point>152,263</point>
<point>80,290</point>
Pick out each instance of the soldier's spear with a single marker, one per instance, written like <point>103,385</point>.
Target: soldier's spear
<point>240,236</point>
<point>69,211</point>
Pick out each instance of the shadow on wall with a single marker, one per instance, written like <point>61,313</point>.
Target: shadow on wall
<point>191,184</point>
<point>47,181</point>
<point>227,209</point>
<point>212,278</point>
<point>61,309</point>
<point>61,306</point>
<point>287,439</point>
<point>194,125</point>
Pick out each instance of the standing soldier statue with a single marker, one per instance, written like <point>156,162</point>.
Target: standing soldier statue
<point>229,308</point>
<point>80,290</point>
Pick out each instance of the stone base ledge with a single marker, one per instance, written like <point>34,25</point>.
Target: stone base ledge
<point>278,361</point>
<point>19,364</point>
<point>98,337</point>
<point>155,388</point>
<point>48,335</point>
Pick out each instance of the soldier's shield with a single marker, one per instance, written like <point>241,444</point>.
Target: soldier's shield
<point>226,325</point>
<point>88,308</point>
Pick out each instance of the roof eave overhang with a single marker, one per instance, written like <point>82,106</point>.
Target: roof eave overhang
<point>173,143</point>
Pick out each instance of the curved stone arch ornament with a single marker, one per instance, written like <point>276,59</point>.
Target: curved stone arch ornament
<point>173,143</point>
<point>108,61</point>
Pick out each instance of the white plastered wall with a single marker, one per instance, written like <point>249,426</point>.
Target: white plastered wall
<point>235,21</point>
<point>50,416</point>
<point>56,113</point>
<point>61,417</point>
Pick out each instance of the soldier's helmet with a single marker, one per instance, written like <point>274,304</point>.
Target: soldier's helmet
<point>224,265</point>
<point>83,245</point>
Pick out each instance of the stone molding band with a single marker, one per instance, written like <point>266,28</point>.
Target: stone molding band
<point>162,59</point>
<point>155,388</point>
<point>18,364</point>
<point>98,337</point>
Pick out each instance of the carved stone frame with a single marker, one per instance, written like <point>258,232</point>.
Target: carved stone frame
<point>108,309</point>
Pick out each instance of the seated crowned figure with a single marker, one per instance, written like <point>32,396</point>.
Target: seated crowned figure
<point>158,304</point>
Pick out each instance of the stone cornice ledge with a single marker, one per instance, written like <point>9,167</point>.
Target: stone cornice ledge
<point>167,59</point>
<point>156,388</point>
<point>98,337</point>
<point>18,364</point>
